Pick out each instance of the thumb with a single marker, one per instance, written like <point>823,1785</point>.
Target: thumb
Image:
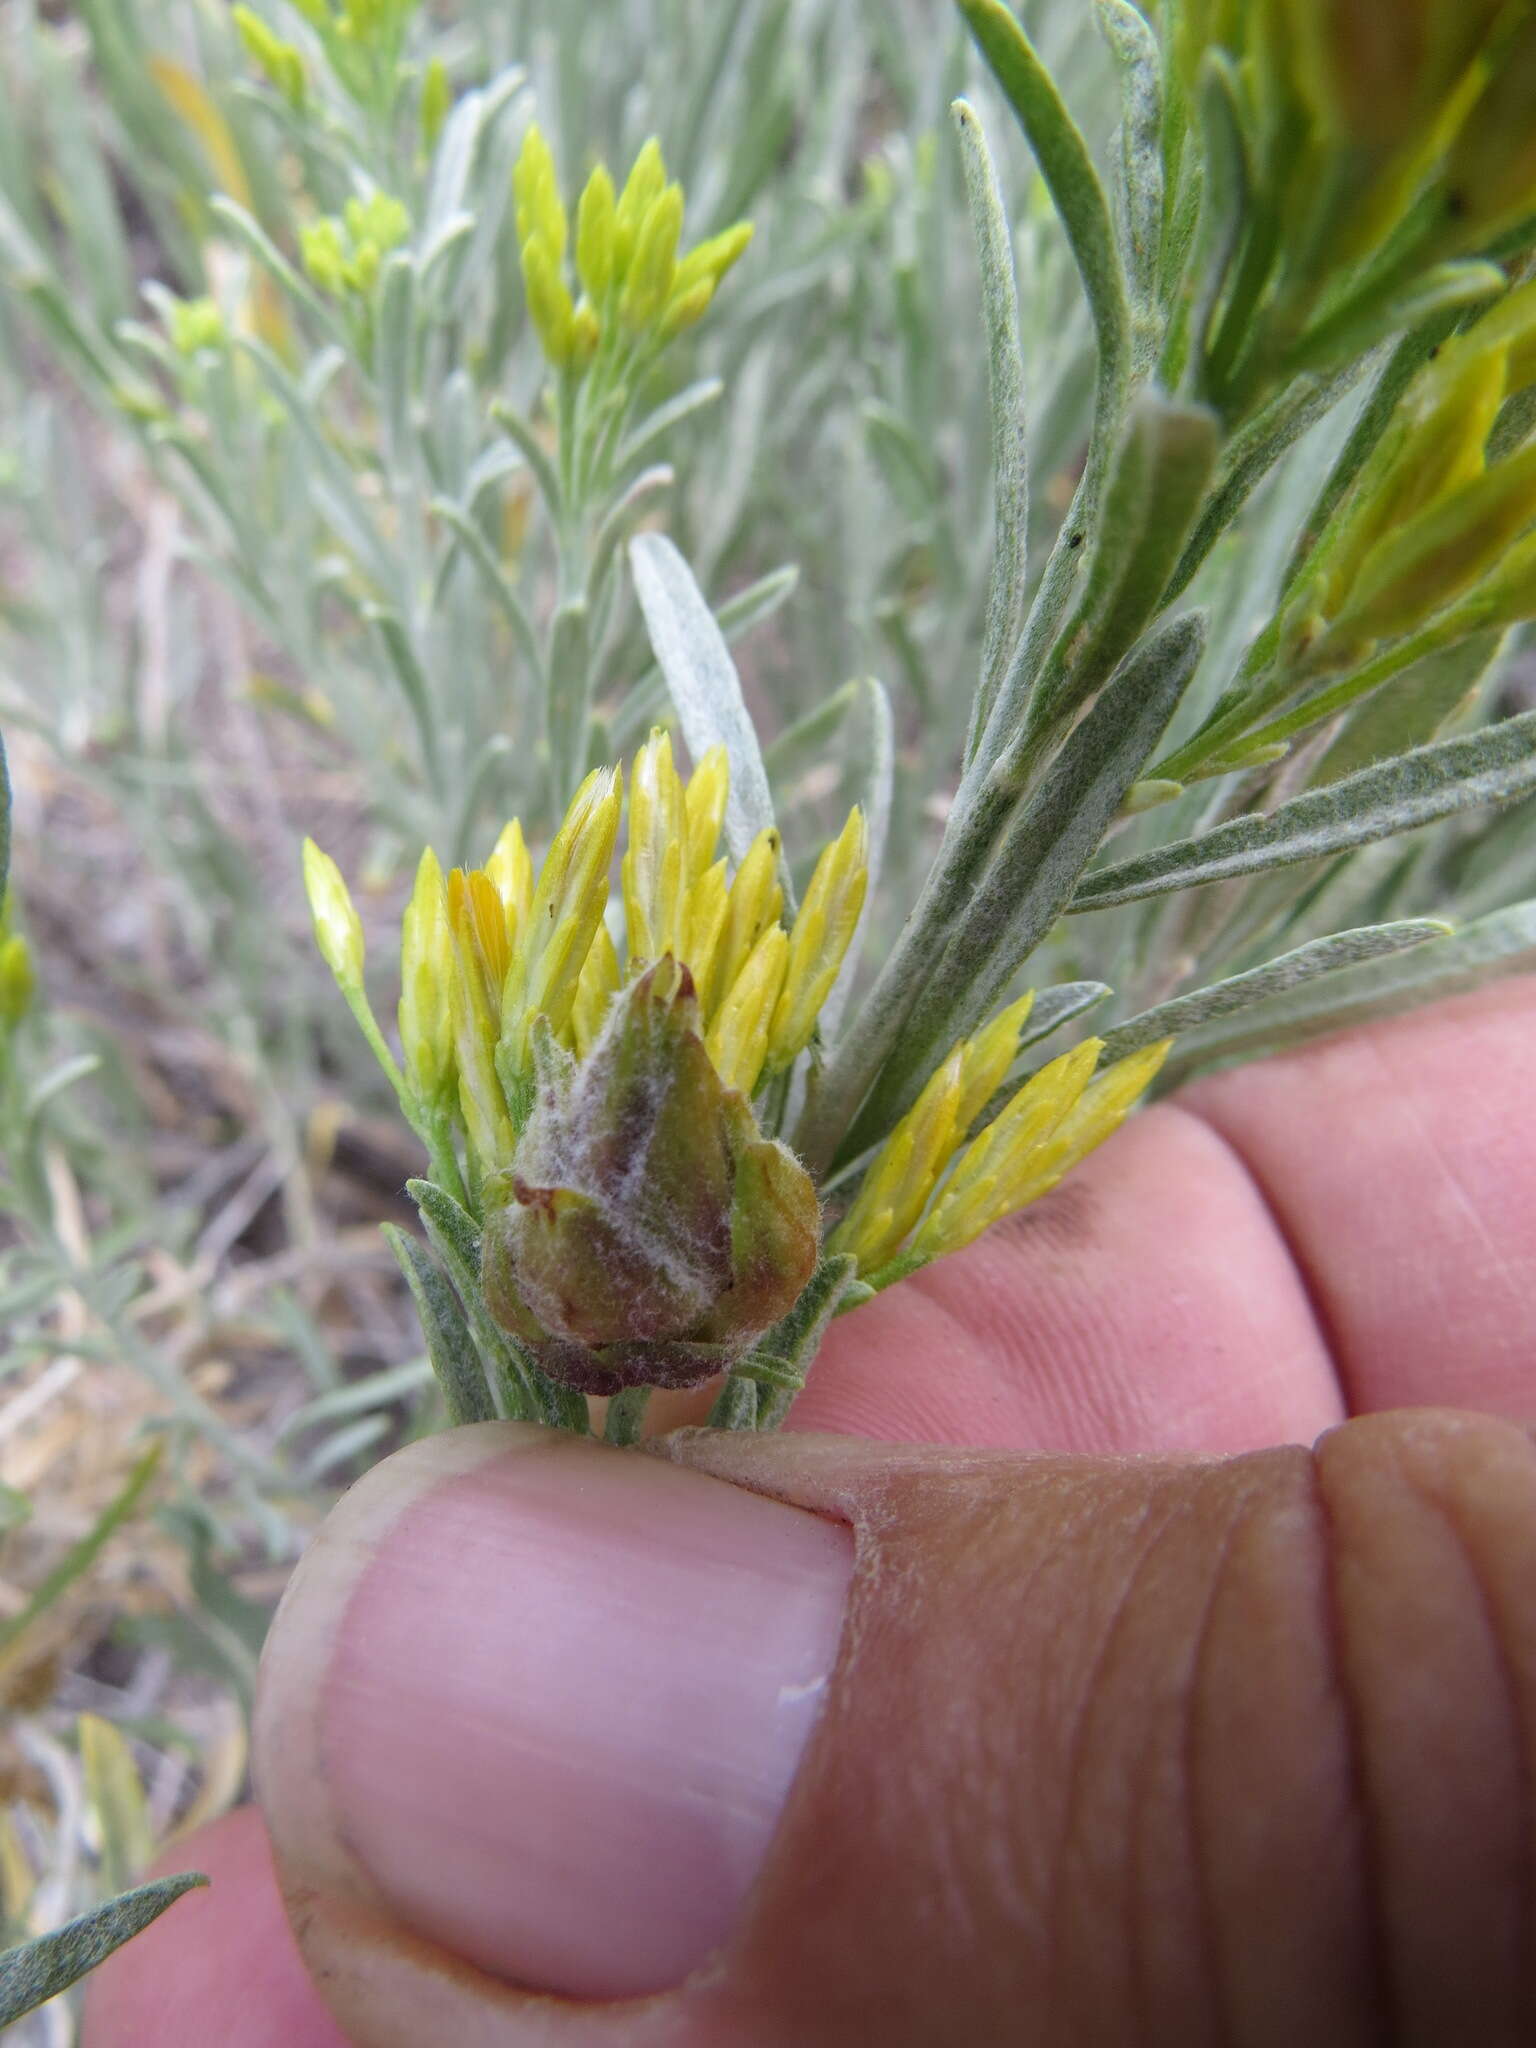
<point>811,1741</point>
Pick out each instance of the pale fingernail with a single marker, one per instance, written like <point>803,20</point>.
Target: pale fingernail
<point>566,1701</point>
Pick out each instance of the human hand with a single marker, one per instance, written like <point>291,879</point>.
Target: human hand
<point>1216,1743</point>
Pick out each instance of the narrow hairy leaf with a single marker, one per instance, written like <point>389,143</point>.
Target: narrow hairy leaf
<point>794,1342</point>
<point>39,1970</point>
<point>1290,970</point>
<point>703,682</point>
<point>1493,766</point>
<point>1501,944</point>
<point>450,1347</point>
<point>1156,488</point>
<point>1134,46</point>
<point>1005,384</point>
<point>1067,168</point>
<point>1048,842</point>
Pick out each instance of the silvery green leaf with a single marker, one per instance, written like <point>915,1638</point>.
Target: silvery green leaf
<point>648,484</point>
<point>497,581</point>
<point>395,346</point>
<point>1290,970</point>
<point>438,259</point>
<point>1024,886</point>
<point>449,179</point>
<point>412,678</point>
<point>1058,1005</point>
<point>794,1342</point>
<point>737,615</point>
<point>38,1970</point>
<point>332,484</point>
<point>569,696</point>
<point>450,1347</point>
<point>1500,944</point>
<point>1005,388</point>
<point>1067,168</point>
<point>256,239</point>
<point>1134,46</point>
<point>1493,766</point>
<point>1161,472</point>
<point>703,682</point>
<point>533,453</point>
<point>656,425</point>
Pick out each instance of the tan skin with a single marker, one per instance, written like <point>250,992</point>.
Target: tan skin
<point>1224,1744</point>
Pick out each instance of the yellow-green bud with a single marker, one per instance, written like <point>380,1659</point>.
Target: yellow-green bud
<point>194,324</point>
<point>338,928</point>
<point>648,285</point>
<point>709,262</point>
<point>323,253</point>
<point>17,980</point>
<point>595,235</point>
<point>279,60</point>
<point>549,305</point>
<point>684,310</point>
<point>426,979</point>
<point>436,98</point>
<point>536,190</point>
<point>644,184</point>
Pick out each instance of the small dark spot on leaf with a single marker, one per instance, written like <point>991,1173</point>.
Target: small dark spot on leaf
<point>1076,541</point>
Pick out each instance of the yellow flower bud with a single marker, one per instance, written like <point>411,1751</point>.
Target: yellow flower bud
<point>737,1040</point>
<point>823,932</point>
<point>754,903</point>
<point>436,99</point>
<point>896,1188</point>
<point>280,61</point>
<point>708,900</point>
<point>595,234</point>
<point>641,187</point>
<point>567,909</point>
<point>17,980</point>
<point>712,258</point>
<point>648,284</point>
<point>987,1058</point>
<point>426,977</point>
<point>654,871</point>
<point>596,988</point>
<point>338,928</point>
<point>549,305</point>
<point>704,803</point>
<point>511,872</point>
<point>477,923</point>
<point>536,189</point>
<point>323,253</point>
<point>194,324</point>
<point>684,310</point>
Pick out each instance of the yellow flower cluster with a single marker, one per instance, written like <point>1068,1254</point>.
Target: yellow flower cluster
<point>907,1212</point>
<point>493,958</point>
<point>633,283</point>
<point>343,253</point>
<point>1432,516</point>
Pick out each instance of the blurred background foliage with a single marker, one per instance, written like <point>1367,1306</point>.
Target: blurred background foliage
<point>276,557</point>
